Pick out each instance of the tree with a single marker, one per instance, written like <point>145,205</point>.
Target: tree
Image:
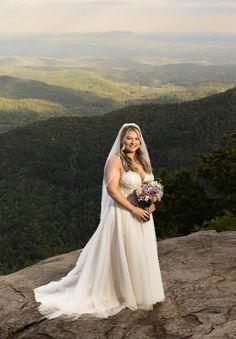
<point>218,171</point>
<point>184,204</point>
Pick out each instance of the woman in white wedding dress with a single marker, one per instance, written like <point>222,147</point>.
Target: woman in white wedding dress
<point>119,265</point>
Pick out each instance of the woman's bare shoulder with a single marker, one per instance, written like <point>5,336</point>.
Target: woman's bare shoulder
<point>115,161</point>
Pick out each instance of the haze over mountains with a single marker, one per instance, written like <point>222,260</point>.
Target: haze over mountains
<point>190,47</point>
<point>95,73</point>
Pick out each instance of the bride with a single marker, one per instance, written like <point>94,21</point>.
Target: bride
<point>119,265</point>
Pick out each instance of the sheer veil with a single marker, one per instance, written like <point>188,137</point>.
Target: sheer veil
<point>107,201</point>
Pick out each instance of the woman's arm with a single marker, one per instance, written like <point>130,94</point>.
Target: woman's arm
<point>112,177</point>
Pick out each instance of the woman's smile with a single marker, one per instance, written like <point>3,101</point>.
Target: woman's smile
<point>131,141</point>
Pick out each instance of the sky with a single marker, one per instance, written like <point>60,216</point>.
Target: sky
<point>118,15</point>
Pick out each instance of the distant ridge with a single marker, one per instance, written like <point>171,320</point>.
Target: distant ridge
<point>23,101</point>
<point>69,98</point>
<point>177,133</point>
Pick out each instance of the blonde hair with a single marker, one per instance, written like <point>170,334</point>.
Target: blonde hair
<point>125,160</point>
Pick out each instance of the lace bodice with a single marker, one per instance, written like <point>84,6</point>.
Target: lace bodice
<point>131,180</point>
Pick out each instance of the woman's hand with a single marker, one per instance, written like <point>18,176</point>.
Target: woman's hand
<point>152,208</point>
<point>141,214</point>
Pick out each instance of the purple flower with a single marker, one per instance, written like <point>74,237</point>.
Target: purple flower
<point>150,191</point>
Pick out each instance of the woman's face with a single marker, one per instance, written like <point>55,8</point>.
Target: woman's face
<point>131,141</point>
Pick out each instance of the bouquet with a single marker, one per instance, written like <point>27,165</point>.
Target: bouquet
<point>149,192</point>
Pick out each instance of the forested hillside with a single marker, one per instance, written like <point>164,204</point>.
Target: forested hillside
<point>86,93</point>
<point>51,172</point>
<point>74,74</point>
<point>42,100</point>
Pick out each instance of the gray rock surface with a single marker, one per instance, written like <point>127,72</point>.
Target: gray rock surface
<point>199,277</point>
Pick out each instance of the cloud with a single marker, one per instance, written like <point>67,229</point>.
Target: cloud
<point>75,2</point>
<point>137,15</point>
<point>156,4</point>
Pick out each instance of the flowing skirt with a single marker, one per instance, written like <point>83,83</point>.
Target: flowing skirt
<point>117,268</point>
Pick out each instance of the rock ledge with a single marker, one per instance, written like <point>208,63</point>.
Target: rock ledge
<point>199,277</point>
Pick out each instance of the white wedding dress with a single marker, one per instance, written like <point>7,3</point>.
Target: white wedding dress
<point>117,268</point>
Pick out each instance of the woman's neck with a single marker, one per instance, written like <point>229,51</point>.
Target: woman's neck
<point>131,156</point>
